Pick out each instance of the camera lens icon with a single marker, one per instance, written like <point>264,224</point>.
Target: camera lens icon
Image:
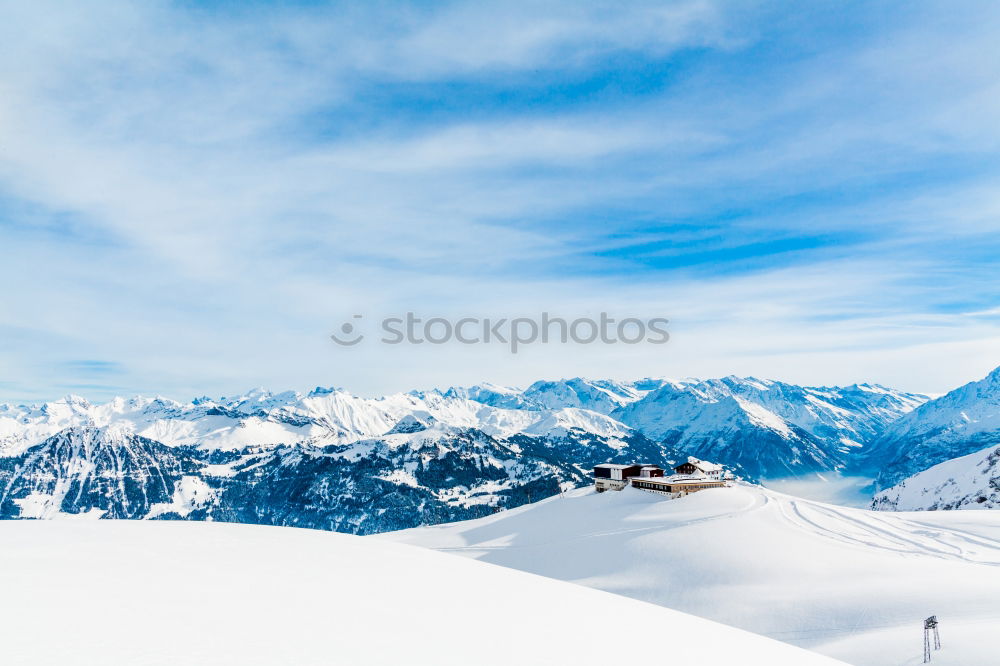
<point>348,338</point>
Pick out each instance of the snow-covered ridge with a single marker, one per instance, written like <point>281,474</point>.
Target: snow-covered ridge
<point>956,424</point>
<point>601,395</point>
<point>762,428</point>
<point>766,427</point>
<point>967,482</point>
<point>769,428</point>
<point>260,418</point>
<point>853,412</point>
<point>657,407</point>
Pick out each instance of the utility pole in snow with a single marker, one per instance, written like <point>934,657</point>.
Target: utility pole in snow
<point>930,624</point>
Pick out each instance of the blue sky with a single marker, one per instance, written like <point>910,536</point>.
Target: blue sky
<point>192,195</point>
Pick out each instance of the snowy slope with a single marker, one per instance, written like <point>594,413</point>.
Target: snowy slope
<point>956,424</point>
<point>157,594</point>
<point>967,482</point>
<point>812,574</point>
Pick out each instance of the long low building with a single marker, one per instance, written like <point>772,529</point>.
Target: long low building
<point>675,485</point>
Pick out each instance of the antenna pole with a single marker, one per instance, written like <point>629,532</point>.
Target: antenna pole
<point>931,624</point>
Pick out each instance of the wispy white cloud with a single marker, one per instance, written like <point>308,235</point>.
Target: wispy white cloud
<point>230,181</point>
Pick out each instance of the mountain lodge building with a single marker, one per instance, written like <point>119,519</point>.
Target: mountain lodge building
<point>688,477</point>
<point>695,466</point>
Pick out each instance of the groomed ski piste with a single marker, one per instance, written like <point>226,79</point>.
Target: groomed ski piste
<point>145,593</point>
<point>848,583</point>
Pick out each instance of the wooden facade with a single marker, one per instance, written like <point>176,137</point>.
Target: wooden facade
<point>685,468</point>
<point>695,466</point>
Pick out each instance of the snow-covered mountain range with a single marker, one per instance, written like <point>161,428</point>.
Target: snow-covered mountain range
<point>761,427</point>
<point>333,460</point>
<point>260,418</point>
<point>956,424</point>
<point>414,474</point>
<point>326,459</point>
<point>943,455</point>
<point>770,428</point>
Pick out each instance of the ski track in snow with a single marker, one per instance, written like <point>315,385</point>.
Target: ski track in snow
<point>891,532</point>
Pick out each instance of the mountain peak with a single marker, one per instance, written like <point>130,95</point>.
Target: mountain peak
<point>412,423</point>
<point>958,423</point>
<point>74,400</point>
<point>91,436</point>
